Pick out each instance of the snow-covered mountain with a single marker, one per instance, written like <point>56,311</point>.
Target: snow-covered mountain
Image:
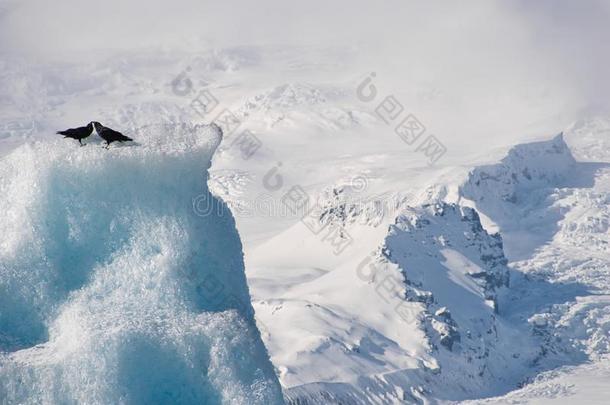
<point>560,230</point>
<point>438,289</point>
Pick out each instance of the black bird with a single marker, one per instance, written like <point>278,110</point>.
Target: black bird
<point>109,134</point>
<point>79,133</point>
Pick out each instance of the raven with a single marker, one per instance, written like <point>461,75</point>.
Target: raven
<point>79,133</point>
<point>109,135</point>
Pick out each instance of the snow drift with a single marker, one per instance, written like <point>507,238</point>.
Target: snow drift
<point>113,289</point>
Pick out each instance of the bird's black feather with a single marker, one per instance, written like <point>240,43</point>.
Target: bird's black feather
<point>109,134</point>
<point>79,133</point>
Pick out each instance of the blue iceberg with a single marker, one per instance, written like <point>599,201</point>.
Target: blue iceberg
<point>116,287</point>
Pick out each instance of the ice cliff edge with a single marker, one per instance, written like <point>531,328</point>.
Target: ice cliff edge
<point>113,288</point>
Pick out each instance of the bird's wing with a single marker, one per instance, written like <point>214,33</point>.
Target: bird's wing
<point>68,131</point>
<point>117,135</point>
<point>124,138</point>
<point>73,131</point>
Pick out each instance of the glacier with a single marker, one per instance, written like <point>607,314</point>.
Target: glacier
<point>113,288</point>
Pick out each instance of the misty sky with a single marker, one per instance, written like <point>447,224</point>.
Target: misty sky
<point>475,44</point>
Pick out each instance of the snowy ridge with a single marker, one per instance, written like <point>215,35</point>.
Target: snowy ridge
<point>525,169</point>
<point>158,310</point>
<point>559,234</point>
<point>295,104</point>
<point>467,327</point>
<point>457,270</point>
<point>590,139</point>
<point>343,205</point>
<point>436,231</point>
<point>434,284</point>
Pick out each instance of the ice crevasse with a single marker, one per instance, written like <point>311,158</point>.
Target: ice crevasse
<point>114,287</point>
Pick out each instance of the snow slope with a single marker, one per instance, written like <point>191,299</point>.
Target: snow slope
<point>435,290</point>
<point>584,384</point>
<point>418,317</point>
<point>113,288</point>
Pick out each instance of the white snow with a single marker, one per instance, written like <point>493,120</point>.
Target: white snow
<point>392,290</point>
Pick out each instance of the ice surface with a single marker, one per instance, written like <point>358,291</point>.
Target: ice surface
<point>117,285</point>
